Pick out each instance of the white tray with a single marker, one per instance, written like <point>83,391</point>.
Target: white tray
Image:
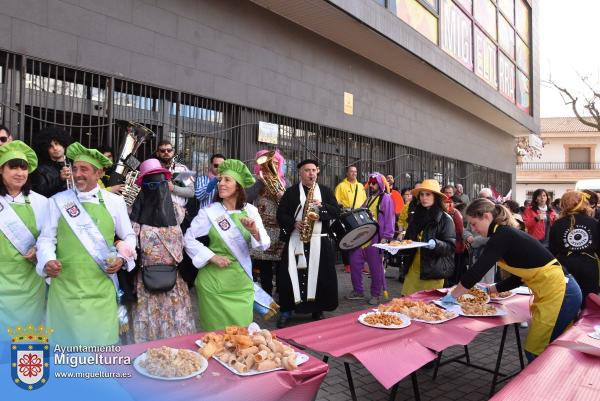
<point>428,321</point>
<point>300,359</point>
<point>143,371</point>
<point>500,299</point>
<point>394,249</point>
<point>457,309</point>
<point>523,290</point>
<point>405,320</point>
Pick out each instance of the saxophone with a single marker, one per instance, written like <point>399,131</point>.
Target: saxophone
<point>310,214</point>
<point>268,174</point>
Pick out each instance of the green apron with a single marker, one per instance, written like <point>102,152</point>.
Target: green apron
<point>22,290</point>
<point>82,304</point>
<point>225,295</point>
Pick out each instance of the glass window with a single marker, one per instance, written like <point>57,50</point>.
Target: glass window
<point>418,17</point>
<point>506,77</point>
<point>522,19</point>
<point>485,14</point>
<point>485,58</point>
<point>506,37</point>
<point>381,2</point>
<point>522,56</point>
<point>523,92</point>
<point>508,9</point>
<point>431,3</point>
<point>456,35</point>
<point>467,4</point>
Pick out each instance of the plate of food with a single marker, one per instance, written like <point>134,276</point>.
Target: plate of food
<point>166,363</point>
<point>481,310</point>
<point>501,296</point>
<point>384,320</point>
<point>396,245</point>
<point>474,296</point>
<point>247,353</point>
<point>418,311</point>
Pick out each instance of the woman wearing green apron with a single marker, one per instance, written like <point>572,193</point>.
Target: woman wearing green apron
<point>556,296</point>
<point>224,286</point>
<point>82,300</point>
<point>22,290</point>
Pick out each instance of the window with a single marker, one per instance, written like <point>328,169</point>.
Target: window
<point>485,58</point>
<point>579,158</point>
<point>485,14</point>
<point>456,35</point>
<point>506,37</point>
<point>508,9</point>
<point>417,16</point>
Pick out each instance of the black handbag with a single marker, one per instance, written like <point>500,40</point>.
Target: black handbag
<point>159,278</point>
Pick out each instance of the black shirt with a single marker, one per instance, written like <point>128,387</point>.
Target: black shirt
<point>515,247</point>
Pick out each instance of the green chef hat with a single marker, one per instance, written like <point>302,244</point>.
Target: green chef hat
<point>79,153</point>
<point>18,150</point>
<point>238,171</point>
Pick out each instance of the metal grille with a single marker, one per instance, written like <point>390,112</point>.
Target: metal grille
<point>94,108</point>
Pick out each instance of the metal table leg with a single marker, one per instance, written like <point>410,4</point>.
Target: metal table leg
<point>519,348</point>
<point>350,382</point>
<point>415,383</point>
<point>437,365</point>
<point>498,361</point>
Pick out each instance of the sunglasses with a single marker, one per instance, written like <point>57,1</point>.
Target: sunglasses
<point>165,150</point>
<point>3,139</point>
<point>216,165</point>
<point>372,181</point>
<point>153,186</point>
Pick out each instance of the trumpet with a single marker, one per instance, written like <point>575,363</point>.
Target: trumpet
<point>70,180</point>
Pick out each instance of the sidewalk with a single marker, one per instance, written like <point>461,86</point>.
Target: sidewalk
<point>454,381</point>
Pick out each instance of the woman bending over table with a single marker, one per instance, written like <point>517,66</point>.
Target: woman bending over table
<point>557,297</point>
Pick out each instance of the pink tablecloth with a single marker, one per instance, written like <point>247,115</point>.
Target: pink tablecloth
<point>567,369</point>
<point>391,355</point>
<point>218,383</point>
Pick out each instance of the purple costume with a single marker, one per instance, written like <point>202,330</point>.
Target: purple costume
<point>383,205</point>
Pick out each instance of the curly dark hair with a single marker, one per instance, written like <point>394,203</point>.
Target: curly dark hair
<point>42,140</point>
<point>536,193</point>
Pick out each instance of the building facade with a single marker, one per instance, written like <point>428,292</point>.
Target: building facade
<point>571,153</point>
<point>417,88</point>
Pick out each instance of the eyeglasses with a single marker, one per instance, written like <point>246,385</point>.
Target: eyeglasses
<point>3,139</point>
<point>153,185</point>
<point>216,165</point>
<point>372,182</point>
<point>165,150</point>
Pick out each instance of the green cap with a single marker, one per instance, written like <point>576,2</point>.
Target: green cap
<point>238,171</point>
<point>18,150</point>
<point>79,153</point>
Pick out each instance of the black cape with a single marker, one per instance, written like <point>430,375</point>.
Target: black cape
<point>326,298</point>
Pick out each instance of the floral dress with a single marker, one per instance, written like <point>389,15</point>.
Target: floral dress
<point>165,314</point>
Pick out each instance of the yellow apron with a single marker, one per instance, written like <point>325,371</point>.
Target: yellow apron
<point>548,286</point>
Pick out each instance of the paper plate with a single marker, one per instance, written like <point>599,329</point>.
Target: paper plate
<point>300,359</point>
<point>405,320</point>
<point>143,371</point>
<point>512,294</point>
<point>523,290</point>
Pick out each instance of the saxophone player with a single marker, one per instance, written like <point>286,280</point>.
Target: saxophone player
<point>306,277</point>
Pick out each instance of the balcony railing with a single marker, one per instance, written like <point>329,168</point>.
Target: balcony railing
<point>557,166</point>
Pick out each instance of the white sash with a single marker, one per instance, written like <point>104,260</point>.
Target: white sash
<point>234,240</point>
<point>15,230</point>
<point>85,230</point>
<point>296,248</point>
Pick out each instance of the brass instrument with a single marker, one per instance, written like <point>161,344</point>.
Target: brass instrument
<point>310,214</point>
<point>131,189</point>
<point>268,174</point>
<point>126,165</point>
<point>71,179</point>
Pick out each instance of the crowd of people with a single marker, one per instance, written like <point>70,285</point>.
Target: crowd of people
<point>98,271</point>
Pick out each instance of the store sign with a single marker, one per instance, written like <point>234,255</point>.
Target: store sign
<point>506,77</point>
<point>485,58</point>
<point>348,103</point>
<point>268,132</point>
<point>457,39</point>
<point>535,142</point>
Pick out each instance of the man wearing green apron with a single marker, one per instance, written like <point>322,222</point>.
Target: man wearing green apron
<point>74,252</point>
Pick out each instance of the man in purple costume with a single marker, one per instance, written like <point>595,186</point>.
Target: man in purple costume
<point>381,205</point>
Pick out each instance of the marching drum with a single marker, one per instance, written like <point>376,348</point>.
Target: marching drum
<point>354,228</point>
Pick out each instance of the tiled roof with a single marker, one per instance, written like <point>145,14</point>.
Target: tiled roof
<point>565,124</point>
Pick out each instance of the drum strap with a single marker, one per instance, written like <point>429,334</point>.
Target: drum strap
<point>354,200</point>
